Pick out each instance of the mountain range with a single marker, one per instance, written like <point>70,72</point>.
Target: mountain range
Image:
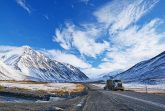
<point>110,75</point>
<point>151,71</point>
<point>25,63</point>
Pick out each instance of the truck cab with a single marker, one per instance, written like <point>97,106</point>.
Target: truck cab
<point>114,85</point>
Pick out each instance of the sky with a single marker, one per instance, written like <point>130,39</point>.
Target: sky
<point>97,36</point>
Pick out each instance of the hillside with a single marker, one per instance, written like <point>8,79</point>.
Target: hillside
<point>150,71</point>
<point>7,73</point>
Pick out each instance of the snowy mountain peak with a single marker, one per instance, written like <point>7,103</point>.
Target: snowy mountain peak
<point>39,67</point>
<point>26,47</point>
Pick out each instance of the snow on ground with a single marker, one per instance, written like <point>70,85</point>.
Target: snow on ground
<point>99,85</point>
<point>40,86</point>
<point>159,88</point>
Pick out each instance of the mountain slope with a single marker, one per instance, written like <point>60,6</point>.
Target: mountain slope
<point>37,66</point>
<point>151,71</point>
<point>7,73</point>
<point>109,75</point>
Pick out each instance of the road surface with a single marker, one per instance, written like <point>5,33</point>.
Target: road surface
<point>101,100</point>
<point>96,100</point>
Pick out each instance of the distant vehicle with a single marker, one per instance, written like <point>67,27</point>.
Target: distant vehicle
<point>114,85</point>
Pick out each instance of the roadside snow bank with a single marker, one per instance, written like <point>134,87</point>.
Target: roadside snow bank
<point>159,88</point>
<point>99,85</point>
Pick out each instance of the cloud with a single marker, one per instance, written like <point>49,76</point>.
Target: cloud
<point>103,68</point>
<point>7,48</point>
<point>118,15</point>
<point>137,44</point>
<point>84,39</point>
<point>126,43</point>
<point>66,58</point>
<point>23,4</point>
<point>46,17</point>
<point>130,43</point>
<point>85,1</point>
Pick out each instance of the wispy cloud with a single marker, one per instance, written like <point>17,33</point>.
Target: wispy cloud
<point>145,47</point>
<point>136,44</point>
<point>24,5</point>
<point>81,38</point>
<point>119,14</point>
<point>6,48</point>
<point>85,1</point>
<point>46,17</point>
<point>126,42</point>
<point>66,58</point>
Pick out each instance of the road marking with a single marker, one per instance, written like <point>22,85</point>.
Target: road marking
<point>141,100</point>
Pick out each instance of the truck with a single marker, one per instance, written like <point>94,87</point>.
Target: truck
<point>114,85</point>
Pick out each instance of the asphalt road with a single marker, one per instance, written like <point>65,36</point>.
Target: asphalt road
<point>101,100</point>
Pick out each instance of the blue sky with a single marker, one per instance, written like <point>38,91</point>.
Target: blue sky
<point>98,36</point>
<point>37,23</point>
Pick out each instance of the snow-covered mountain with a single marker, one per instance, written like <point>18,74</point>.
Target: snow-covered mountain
<point>36,66</point>
<point>150,71</point>
<point>109,75</point>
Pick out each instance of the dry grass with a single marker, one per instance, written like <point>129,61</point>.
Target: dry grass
<point>62,91</point>
<point>22,91</point>
<point>79,88</point>
<point>2,88</point>
<point>23,82</point>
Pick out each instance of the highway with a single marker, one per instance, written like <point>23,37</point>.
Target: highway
<point>101,100</point>
<point>96,99</point>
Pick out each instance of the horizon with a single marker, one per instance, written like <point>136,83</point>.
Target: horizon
<point>96,36</point>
